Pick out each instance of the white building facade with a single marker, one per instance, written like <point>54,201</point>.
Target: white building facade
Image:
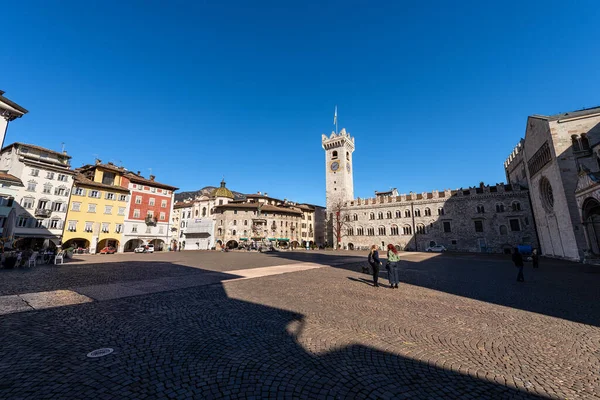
<point>41,203</point>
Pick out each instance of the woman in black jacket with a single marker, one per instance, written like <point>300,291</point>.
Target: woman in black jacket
<point>375,263</point>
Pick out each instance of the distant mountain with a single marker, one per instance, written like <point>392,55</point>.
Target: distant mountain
<point>207,190</point>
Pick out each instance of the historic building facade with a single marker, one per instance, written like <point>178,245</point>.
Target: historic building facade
<point>41,203</point>
<point>148,213</point>
<point>476,219</point>
<point>558,161</point>
<point>96,214</point>
<point>216,219</point>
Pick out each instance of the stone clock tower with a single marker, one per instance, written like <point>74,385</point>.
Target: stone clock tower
<point>338,169</point>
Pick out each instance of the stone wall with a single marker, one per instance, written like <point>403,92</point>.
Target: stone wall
<point>421,219</point>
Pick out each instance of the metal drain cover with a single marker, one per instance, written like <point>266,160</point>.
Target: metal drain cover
<point>100,352</point>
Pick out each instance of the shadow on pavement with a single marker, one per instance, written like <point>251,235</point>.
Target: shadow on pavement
<point>558,288</point>
<point>201,343</point>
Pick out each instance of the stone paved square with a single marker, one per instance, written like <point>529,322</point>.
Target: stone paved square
<point>459,326</point>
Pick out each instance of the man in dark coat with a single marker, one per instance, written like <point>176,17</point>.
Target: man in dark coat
<point>518,260</point>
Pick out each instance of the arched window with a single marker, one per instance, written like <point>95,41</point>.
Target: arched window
<point>346,218</point>
<point>417,212</point>
<point>440,211</point>
<point>427,212</point>
<point>235,221</point>
<point>355,217</point>
<point>500,208</point>
<point>204,211</point>
<point>575,143</point>
<point>516,206</point>
<point>407,213</point>
<point>233,232</point>
<point>480,209</point>
<point>245,232</point>
<point>348,156</point>
<point>389,215</point>
<point>219,231</point>
<point>407,230</point>
<point>394,230</point>
<point>350,231</point>
<point>360,231</point>
<point>372,216</point>
<point>503,230</point>
<point>398,214</point>
<point>380,215</point>
<point>334,155</point>
<point>421,228</point>
<point>371,231</point>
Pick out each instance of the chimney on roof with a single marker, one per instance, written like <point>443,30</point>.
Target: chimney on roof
<point>138,173</point>
<point>259,192</point>
<point>266,194</point>
<point>152,177</point>
<point>98,161</point>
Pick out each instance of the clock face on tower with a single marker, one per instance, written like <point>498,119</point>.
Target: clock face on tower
<point>348,167</point>
<point>335,166</point>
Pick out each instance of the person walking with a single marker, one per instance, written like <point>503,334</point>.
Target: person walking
<point>375,263</point>
<point>535,258</point>
<point>392,266</point>
<point>517,258</point>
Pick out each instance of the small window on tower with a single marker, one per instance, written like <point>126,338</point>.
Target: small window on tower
<point>334,155</point>
<point>348,155</point>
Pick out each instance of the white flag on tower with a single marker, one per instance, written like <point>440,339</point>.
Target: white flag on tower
<point>335,116</point>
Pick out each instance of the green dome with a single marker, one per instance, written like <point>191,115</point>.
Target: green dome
<point>222,191</point>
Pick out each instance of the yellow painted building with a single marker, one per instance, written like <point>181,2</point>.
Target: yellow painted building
<point>97,208</point>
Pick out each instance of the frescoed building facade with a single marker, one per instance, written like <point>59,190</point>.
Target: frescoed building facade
<point>148,216</point>
<point>97,208</point>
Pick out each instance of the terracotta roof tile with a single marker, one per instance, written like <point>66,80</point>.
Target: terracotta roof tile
<point>37,148</point>
<point>10,178</point>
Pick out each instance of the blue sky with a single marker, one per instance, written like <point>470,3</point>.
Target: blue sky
<point>436,94</point>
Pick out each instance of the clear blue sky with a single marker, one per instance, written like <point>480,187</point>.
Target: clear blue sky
<point>436,93</point>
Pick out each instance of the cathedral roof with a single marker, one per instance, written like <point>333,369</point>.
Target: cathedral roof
<point>222,191</point>
<point>571,114</point>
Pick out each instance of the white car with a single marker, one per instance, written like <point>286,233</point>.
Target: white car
<point>149,248</point>
<point>438,248</point>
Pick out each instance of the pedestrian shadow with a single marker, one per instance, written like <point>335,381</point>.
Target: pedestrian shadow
<point>201,343</point>
<point>362,280</point>
<point>557,289</point>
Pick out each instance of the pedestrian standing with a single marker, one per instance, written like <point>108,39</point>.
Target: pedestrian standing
<point>375,263</point>
<point>392,266</point>
<point>518,260</point>
<point>535,258</point>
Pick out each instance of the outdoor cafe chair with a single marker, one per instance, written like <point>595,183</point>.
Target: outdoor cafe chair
<point>59,256</point>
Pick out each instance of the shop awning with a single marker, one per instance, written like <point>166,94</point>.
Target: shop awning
<point>283,240</point>
<point>256,238</point>
<point>243,239</point>
<point>272,239</point>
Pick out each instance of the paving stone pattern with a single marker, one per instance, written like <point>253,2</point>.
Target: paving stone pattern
<point>322,333</point>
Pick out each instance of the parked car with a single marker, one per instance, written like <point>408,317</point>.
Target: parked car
<point>438,248</point>
<point>108,250</point>
<point>148,248</point>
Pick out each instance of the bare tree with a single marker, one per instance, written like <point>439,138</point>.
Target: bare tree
<point>339,222</point>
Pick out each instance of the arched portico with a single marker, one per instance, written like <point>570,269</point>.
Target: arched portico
<point>159,244</point>
<point>132,244</point>
<point>232,244</point>
<point>107,243</point>
<point>77,244</point>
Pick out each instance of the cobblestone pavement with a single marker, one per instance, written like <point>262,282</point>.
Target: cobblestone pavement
<point>458,327</point>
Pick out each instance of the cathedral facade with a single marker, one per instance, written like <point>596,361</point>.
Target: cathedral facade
<point>476,219</point>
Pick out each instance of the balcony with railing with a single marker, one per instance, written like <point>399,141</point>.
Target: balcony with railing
<point>43,212</point>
